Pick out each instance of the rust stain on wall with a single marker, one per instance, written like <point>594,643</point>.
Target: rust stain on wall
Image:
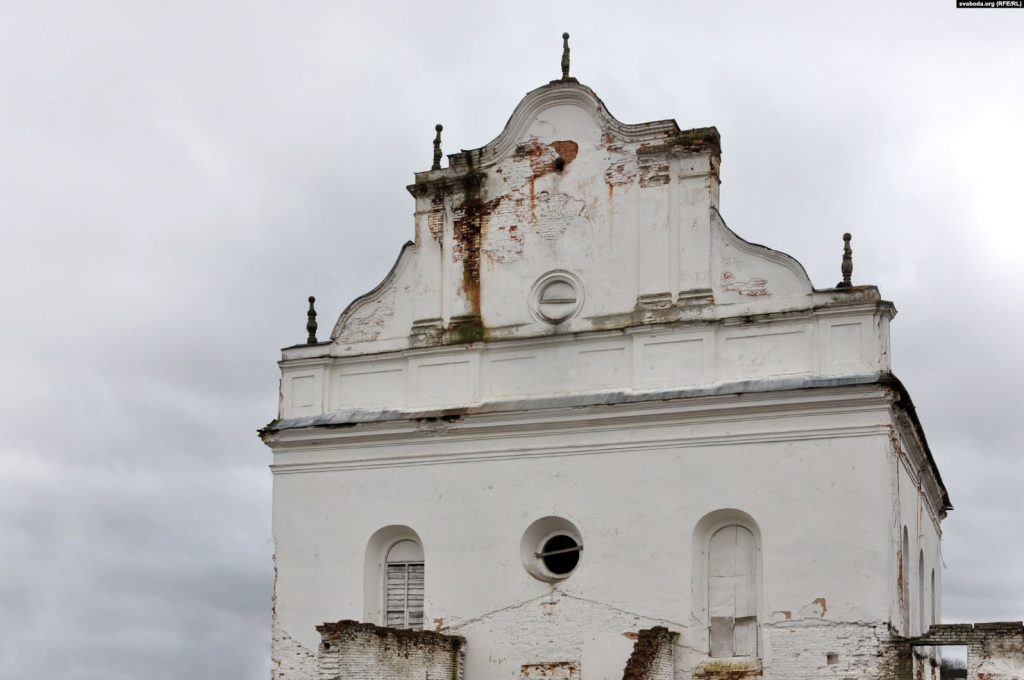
<point>469,229</point>
<point>901,587</point>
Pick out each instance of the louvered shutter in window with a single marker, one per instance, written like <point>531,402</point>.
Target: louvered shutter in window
<point>403,595</point>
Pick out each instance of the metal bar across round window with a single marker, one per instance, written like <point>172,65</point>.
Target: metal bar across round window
<point>558,552</point>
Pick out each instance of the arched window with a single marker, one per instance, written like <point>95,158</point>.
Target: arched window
<point>904,589</point>
<point>726,588</point>
<point>403,586</point>
<point>732,592</point>
<point>393,578</point>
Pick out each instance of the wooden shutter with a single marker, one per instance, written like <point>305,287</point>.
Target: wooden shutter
<point>732,596</point>
<point>403,595</point>
<point>414,604</point>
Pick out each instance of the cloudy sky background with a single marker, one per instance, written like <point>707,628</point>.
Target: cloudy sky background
<point>176,178</point>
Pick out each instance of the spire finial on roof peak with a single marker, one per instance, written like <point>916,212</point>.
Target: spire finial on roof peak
<point>565,56</point>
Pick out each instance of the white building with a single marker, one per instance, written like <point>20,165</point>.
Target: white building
<point>577,356</point>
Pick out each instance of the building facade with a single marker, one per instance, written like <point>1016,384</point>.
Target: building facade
<point>582,429</point>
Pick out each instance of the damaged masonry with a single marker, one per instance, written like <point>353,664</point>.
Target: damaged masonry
<point>582,429</point>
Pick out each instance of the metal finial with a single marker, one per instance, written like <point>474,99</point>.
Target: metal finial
<point>311,322</point>
<point>847,263</point>
<point>437,148</point>
<point>565,56</point>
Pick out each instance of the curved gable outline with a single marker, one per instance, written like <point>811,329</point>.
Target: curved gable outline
<point>549,96</point>
<point>404,257</point>
<point>764,252</point>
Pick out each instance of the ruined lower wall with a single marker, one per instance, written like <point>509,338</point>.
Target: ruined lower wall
<point>652,657</point>
<point>804,650</point>
<point>290,659</point>
<point>791,650</point>
<point>995,651</point>
<point>362,651</point>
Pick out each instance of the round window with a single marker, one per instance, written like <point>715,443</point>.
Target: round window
<point>560,554</point>
<point>551,549</point>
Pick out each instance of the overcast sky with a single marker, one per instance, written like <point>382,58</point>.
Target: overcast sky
<point>176,178</point>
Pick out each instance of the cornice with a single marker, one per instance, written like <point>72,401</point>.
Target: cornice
<point>820,308</point>
<point>594,417</point>
<point>506,452</point>
<point>905,416</point>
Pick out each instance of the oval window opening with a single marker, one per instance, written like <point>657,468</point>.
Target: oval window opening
<point>560,554</point>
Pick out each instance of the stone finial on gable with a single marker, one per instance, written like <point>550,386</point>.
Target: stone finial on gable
<point>565,56</point>
<point>311,322</point>
<point>437,147</point>
<point>847,263</point>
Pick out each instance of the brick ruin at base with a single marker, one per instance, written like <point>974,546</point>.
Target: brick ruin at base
<point>582,429</point>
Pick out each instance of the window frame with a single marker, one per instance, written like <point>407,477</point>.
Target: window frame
<point>407,610</point>
<point>378,548</point>
<point>707,527</point>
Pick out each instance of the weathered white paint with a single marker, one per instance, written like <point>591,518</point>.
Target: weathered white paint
<point>697,382</point>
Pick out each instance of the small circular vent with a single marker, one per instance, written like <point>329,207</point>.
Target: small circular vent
<point>557,297</point>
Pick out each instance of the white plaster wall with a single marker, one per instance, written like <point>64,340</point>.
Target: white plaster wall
<point>826,343</point>
<point>633,214</point>
<point>815,482</point>
<point>672,299</point>
<point>916,513</point>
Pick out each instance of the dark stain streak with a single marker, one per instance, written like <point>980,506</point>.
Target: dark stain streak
<point>470,229</point>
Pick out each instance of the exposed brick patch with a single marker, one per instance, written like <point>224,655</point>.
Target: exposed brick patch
<point>652,655</point>
<point>807,649</point>
<point>654,173</point>
<point>728,669</point>
<point>552,670</point>
<point>995,651</point>
<point>556,212</point>
<point>289,658</point>
<point>620,172</point>
<point>435,218</point>
<point>542,157</point>
<point>350,650</point>
<point>367,321</point>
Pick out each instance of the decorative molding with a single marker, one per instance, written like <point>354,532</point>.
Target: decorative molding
<point>404,257</point>
<point>652,426</point>
<point>548,451</point>
<point>559,93</point>
<point>763,252</point>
